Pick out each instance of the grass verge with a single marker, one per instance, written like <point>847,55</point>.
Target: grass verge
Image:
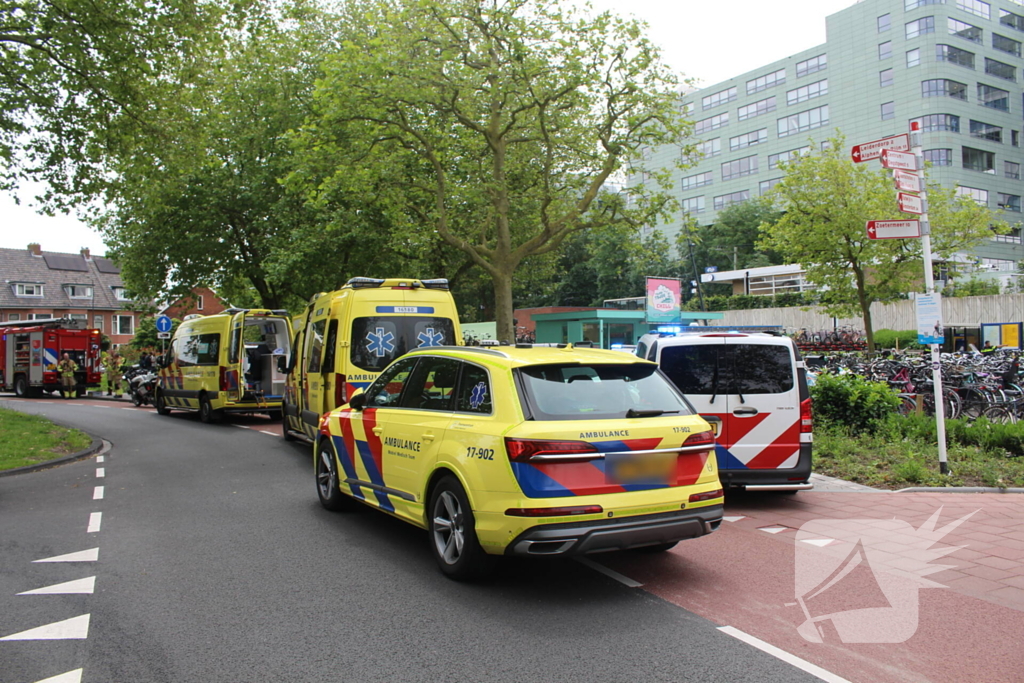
<point>30,440</point>
<point>903,453</point>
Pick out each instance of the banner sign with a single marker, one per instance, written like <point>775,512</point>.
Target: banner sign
<point>929,319</point>
<point>664,300</point>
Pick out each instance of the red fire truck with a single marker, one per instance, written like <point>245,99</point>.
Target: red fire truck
<point>31,349</point>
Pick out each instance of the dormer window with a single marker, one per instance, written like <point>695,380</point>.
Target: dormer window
<point>78,291</point>
<point>121,294</point>
<point>24,289</point>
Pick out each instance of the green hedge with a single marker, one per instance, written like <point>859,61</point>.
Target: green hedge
<point>886,339</point>
<point>989,436</point>
<point>740,302</point>
<point>852,402</point>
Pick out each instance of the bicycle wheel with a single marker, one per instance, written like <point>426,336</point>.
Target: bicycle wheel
<point>908,404</point>
<point>1000,414</point>
<point>973,403</point>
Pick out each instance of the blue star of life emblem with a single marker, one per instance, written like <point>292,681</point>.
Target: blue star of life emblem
<point>430,338</point>
<point>380,344</point>
<point>476,397</point>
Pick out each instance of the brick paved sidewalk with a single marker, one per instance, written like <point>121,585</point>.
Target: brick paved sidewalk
<point>990,566</point>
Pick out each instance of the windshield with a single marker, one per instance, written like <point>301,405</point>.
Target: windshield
<point>378,340</point>
<point>741,368</point>
<point>599,392</point>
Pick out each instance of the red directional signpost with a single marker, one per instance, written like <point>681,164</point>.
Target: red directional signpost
<point>873,150</point>
<point>901,161</point>
<point>893,230</point>
<point>910,203</point>
<point>907,182</point>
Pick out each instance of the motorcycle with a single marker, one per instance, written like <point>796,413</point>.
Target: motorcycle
<point>141,384</point>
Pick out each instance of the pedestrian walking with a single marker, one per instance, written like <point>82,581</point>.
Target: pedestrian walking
<point>114,367</point>
<point>67,369</point>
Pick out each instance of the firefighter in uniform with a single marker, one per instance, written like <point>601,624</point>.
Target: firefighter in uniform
<point>67,369</point>
<point>113,367</point>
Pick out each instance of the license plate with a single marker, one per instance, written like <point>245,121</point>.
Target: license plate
<point>648,468</point>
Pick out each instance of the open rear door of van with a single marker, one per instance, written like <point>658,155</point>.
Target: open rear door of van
<point>232,377</point>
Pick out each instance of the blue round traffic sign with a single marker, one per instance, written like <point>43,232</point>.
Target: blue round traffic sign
<point>163,323</point>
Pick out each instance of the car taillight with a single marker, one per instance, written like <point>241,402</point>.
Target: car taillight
<point>707,495</point>
<point>340,396</point>
<point>223,378</point>
<point>700,439</point>
<point>325,421</point>
<point>805,416</point>
<point>523,450</point>
<point>555,512</point>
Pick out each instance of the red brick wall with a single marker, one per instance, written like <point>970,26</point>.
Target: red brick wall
<point>212,305</point>
<point>108,319</point>
<point>524,321</point>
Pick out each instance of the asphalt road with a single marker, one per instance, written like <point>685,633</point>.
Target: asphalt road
<point>215,562</point>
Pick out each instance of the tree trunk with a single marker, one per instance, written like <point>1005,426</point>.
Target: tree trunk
<point>504,328</point>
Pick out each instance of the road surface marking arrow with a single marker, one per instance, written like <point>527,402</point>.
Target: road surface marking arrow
<point>81,556</point>
<point>76,628</point>
<point>76,587</point>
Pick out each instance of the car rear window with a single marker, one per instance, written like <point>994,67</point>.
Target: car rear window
<point>729,368</point>
<point>598,392</point>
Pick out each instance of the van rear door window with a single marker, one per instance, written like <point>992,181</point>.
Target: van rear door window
<point>378,340</point>
<point>729,368</point>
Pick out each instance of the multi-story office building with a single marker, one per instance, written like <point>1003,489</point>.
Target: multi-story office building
<point>954,65</point>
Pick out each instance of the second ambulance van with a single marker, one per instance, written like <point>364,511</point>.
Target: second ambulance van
<point>345,338</point>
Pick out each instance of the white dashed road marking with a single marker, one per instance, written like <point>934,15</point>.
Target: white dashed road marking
<point>76,628</point>
<point>801,664</point>
<point>76,587</point>
<point>611,573</point>
<point>773,529</point>
<point>100,472</point>
<point>97,493</point>
<point>734,518</point>
<point>101,458</point>
<point>69,677</point>
<point>90,555</point>
<point>95,519</point>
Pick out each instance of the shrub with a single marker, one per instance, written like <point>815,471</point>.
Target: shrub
<point>853,402</point>
<point>1005,439</point>
<point>886,339</point>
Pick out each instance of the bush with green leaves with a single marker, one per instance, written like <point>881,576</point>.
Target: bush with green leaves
<point>1007,439</point>
<point>886,339</point>
<point>852,402</point>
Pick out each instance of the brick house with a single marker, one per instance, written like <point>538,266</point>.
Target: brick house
<point>37,284</point>
<point>204,301</point>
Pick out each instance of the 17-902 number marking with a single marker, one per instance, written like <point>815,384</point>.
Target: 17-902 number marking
<point>480,453</point>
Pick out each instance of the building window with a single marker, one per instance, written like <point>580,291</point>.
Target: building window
<point>766,185</point>
<point>1002,264</point>
<point>943,87</point>
<point>979,160</point>
<point>78,316</point>
<point>11,317</point>
<point>21,289</point>
<point>807,92</point>
<point>977,194</point>
<point>785,157</point>
<point>78,291</point>
<point>123,324</point>
<point>962,29</point>
<point>39,316</point>
<point>766,81</point>
<point>812,65</point>
<point>938,122</point>
<point>884,23</point>
<point>709,148</point>
<point>954,55</point>
<point>914,4</point>
<point>199,303</point>
<point>1013,236</point>
<point>986,131</point>
<point>1015,137</point>
<point>711,123</point>
<point>805,120</point>
<point>885,77</point>
<point>718,98</point>
<point>693,205</point>
<point>725,200</point>
<point>1004,44</point>
<point>1009,202</point>
<point>885,50</point>
<point>748,139</point>
<point>686,108</point>
<point>698,180</point>
<point>939,157</point>
<point>913,57</point>
<point>739,168</point>
<point>756,109</point>
<point>1000,70</point>
<point>994,98</point>
<point>97,322</point>
<point>888,110</point>
<point>1012,20</point>
<point>977,7</point>
<point>919,27</point>
<point>121,294</point>
<point>1011,169</point>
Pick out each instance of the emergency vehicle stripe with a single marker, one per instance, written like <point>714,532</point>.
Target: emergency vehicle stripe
<point>49,356</point>
<point>777,452</point>
<point>737,428</point>
<point>373,441</point>
<point>371,469</point>
<point>726,460</point>
<point>346,446</point>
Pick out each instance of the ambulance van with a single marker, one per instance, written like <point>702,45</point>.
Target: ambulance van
<point>345,338</point>
<point>232,362</point>
<point>752,388</point>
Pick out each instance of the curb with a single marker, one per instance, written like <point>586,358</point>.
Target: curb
<point>958,489</point>
<point>95,447</point>
<point>104,397</point>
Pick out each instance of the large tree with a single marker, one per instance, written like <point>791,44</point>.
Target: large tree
<point>492,124</point>
<point>828,200</point>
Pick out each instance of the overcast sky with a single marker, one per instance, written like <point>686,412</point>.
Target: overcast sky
<point>701,39</point>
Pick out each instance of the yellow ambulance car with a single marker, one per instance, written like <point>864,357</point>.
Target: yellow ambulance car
<point>232,362</point>
<point>345,338</point>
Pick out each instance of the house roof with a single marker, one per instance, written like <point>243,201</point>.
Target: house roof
<point>54,271</point>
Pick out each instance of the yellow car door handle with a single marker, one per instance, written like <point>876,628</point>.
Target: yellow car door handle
<point>378,430</point>
<point>428,437</point>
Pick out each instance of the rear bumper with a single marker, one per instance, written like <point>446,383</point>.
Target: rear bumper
<point>792,479</point>
<point>605,535</point>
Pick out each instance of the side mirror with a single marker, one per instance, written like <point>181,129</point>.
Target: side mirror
<point>357,402</point>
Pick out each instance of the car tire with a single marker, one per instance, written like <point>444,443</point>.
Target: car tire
<point>659,548</point>
<point>161,405</point>
<point>452,531</point>
<point>328,487</point>
<point>21,386</point>
<point>207,415</point>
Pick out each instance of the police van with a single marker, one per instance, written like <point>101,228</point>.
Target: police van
<point>752,387</point>
<point>346,337</point>
<point>232,362</point>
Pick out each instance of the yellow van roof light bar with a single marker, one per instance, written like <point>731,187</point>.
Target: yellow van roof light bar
<point>364,282</point>
<point>436,283</point>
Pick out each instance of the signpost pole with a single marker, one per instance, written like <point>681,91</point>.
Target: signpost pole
<point>929,283</point>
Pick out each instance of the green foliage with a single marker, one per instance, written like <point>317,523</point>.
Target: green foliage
<point>887,339</point>
<point>1005,439</point>
<point>732,242</point>
<point>32,439</point>
<point>973,287</point>
<point>145,334</point>
<point>852,402</point>
<point>741,302</point>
